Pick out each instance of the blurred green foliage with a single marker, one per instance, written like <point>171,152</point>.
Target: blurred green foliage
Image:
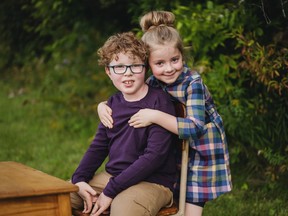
<point>240,48</point>
<point>246,71</point>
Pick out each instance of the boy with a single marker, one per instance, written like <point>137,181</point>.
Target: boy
<point>140,172</point>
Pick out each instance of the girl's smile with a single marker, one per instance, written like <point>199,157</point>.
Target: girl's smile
<point>166,63</point>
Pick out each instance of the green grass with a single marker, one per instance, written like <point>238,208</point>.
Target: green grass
<point>34,133</point>
<point>242,202</point>
<point>51,139</point>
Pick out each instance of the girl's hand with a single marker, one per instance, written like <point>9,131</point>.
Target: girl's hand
<point>142,118</point>
<point>105,114</point>
<point>88,195</point>
<point>103,203</point>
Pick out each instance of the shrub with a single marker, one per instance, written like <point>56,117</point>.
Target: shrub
<point>247,75</point>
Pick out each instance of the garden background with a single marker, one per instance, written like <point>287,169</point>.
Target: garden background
<point>51,84</point>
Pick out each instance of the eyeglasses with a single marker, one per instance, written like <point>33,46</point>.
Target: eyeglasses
<point>121,69</point>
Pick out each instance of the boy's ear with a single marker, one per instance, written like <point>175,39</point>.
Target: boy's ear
<point>107,70</point>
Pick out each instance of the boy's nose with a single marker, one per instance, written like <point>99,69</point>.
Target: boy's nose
<point>128,72</point>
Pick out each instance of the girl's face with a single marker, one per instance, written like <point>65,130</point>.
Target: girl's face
<point>166,63</point>
<point>132,85</point>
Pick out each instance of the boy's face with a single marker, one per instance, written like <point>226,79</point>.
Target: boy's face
<point>130,84</point>
<point>166,63</point>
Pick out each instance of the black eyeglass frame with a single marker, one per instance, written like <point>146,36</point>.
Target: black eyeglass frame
<point>126,67</point>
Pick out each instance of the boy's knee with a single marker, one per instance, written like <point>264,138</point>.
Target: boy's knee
<point>133,202</point>
<point>128,206</point>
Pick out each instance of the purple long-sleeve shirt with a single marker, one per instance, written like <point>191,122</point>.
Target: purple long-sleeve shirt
<point>135,154</point>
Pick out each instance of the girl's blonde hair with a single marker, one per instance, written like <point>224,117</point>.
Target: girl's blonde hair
<point>126,43</point>
<point>158,28</point>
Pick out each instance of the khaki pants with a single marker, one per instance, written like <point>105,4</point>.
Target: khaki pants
<point>143,198</point>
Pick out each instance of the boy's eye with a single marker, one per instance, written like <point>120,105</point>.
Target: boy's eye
<point>119,66</point>
<point>137,66</point>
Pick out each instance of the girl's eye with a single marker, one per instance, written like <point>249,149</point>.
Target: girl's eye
<point>175,60</point>
<point>159,63</point>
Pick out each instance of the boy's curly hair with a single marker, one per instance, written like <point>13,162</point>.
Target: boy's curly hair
<point>125,42</point>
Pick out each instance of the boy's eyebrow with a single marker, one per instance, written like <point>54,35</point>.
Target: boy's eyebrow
<point>125,64</point>
<point>130,63</point>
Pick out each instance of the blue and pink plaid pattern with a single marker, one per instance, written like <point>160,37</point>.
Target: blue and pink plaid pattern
<point>209,172</point>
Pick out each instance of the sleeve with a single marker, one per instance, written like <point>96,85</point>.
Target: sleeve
<point>155,155</point>
<point>193,125</point>
<point>93,158</point>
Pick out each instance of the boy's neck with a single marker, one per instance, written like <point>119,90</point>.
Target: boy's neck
<point>141,93</point>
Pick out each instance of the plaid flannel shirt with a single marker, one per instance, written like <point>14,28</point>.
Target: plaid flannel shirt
<point>209,172</point>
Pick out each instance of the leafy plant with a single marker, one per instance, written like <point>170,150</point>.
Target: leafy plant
<point>248,80</point>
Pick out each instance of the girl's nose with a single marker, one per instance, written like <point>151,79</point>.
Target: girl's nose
<point>168,67</point>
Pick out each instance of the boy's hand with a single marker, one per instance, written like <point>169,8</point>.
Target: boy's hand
<point>105,114</point>
<point>88,195</point>
<point>142,118</point>
<point>103,202</point>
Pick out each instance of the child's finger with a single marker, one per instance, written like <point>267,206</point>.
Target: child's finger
<point>85,207</point>
<point>106,123</point>
<point>109,110</point>
<point>109,119</point>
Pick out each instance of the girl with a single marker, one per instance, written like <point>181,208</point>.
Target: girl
<point>209,172</point>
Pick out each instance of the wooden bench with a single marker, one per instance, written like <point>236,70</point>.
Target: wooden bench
<point>28,192</point>
<point>177,209</point>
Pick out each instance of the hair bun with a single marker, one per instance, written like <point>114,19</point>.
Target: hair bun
<point>157,18</point>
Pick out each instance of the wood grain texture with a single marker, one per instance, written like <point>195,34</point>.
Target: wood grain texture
<point>25,191</point>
